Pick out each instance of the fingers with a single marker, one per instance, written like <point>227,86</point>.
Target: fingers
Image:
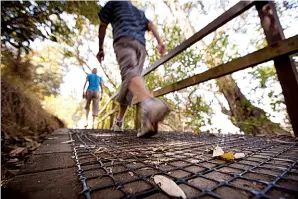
<point>161,49</point>
<point>100,57</point>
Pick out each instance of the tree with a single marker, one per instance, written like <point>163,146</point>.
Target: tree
<point>24,21</point>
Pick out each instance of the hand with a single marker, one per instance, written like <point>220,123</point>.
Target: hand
<point>84,95</point>
<point>161,48</point>
<point>100,56</point>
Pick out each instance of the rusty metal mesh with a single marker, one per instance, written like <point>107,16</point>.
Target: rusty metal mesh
<point>119,165</point>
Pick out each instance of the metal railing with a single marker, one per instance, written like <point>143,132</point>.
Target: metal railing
<point>278,50</point>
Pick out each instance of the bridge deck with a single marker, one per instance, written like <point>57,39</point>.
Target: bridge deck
<point>104,164</point>
<point>120,165</point>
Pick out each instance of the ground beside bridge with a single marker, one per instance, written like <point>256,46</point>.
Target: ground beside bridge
<point>104,164</point>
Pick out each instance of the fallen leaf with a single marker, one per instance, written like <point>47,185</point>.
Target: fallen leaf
<point>52,138</point>
<point>239,155</point>
<point>28,139</point>
<point>160,149</point>
<point>16,151</point>
<point>170,153</point>
<point>130,173</point>
<point>67,142</point>
<point>169,186</point>
<point>228,156</point>
<point>157,155</point>
<point>14,160</point>
<point>99,150</point>
<point>217,152</point>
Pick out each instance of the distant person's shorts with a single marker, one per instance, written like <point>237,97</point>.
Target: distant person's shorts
<point>130,54</point>
<point>93,96</point>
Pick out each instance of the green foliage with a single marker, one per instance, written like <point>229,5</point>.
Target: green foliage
<point>67,107</point>
<point>264,75</point>
<point>24,21</point>
<point>40,74</point>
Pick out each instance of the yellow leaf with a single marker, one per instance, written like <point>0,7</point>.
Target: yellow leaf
<point>228,156</point>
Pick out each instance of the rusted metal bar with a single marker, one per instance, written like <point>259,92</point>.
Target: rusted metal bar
<point>106,105</point>
<point>108,114</point>
<point>227,16</point>
<point>284,65</point>
<point>284,47</point>
<point>102,124</point>
<point>138,117</point>
<point>112,115</point>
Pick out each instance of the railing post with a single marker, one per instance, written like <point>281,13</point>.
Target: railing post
<point>112,115</point>
<point>284,65</point>
<point>102,124</point>
<point>138,116</point>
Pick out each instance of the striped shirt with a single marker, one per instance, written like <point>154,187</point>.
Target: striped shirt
<point>126,20</point>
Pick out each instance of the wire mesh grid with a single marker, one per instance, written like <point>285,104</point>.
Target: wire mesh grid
<point>120,165</point>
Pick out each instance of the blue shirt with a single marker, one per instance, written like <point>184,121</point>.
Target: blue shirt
<point>94,82</point>
<point>126,20</point>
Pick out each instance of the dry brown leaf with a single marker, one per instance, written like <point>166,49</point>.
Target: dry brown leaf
<point>160,149</point>
<point>130,173</point>
<point>169,186</point>
<point>28,139</point>
<point>228,156</point>
<point>217,151</point>
<point>16,151</point>
<point>52,138</point>
<point>67,142</point>
<point>170,153</point>
<point>239,155</point>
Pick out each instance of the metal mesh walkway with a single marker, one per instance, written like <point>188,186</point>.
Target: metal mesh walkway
<point>119,165</point>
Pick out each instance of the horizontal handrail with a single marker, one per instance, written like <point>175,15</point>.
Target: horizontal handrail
<point>284,47</point>
<point>227,16</point>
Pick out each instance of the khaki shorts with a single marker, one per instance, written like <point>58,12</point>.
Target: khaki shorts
<point>130,55</point>
<point>93,96</point>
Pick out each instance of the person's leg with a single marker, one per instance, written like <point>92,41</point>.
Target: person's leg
<point>118,124</point>
<point>138,87</point>
<point>95,105</point>
<point>122,112</point>
<point>93,120</point>
<point>131,56</point>
<point>87,107</point>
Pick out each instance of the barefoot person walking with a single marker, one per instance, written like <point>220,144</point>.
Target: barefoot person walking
<point>92,94</point>
<point>129,25</point>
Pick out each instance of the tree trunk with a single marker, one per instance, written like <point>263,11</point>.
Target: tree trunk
<point>249,118</point>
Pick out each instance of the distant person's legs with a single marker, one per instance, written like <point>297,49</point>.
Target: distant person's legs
<point>87,107</point>
<point>95,105</point>
<point>131,56</point>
